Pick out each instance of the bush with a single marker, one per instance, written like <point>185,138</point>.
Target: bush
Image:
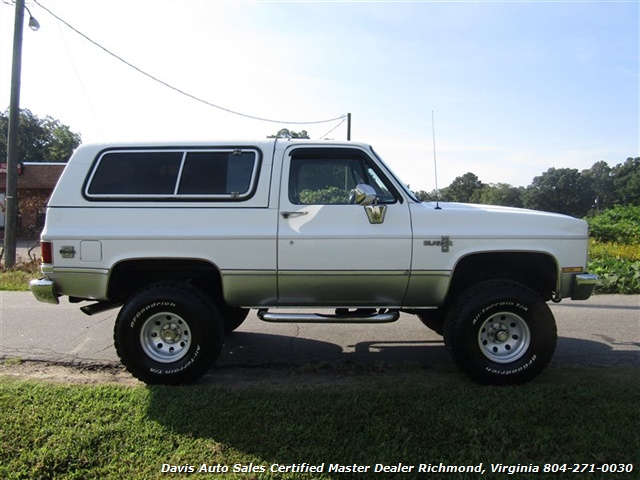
<point>614,249</point>
<point>616,275</point>
<point>602,251</point>
<point>618,224</point>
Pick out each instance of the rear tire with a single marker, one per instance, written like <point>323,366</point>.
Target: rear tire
<point>500,332</point>
<point>168,333</point>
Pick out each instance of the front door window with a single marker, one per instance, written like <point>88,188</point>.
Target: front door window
<point>329,252</point>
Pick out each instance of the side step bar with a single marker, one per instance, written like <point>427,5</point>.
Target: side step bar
<point>99,307</point>
<point>341,316</point>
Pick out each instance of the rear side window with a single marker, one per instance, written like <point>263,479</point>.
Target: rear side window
<point>173,175</point>
<point>216,173</point>
<point>136,173</point>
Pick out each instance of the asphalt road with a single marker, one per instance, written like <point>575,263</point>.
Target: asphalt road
<point>602,331</point>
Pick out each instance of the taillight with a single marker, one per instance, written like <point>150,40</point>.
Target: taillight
<point>47,252</point>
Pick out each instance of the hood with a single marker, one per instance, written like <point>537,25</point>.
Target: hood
<point>490,221</point>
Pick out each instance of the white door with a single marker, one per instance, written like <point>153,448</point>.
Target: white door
<point>329,251</point>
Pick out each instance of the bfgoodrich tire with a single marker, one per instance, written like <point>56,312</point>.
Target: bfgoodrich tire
<point>500,333</point>
<point>168,333</point>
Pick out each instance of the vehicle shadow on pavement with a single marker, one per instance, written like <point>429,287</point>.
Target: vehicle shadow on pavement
<point>267,359</point>
<point>578,352</point>
<point>250,349</point>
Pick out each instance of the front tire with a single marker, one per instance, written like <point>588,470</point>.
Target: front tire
<point>500,333</point>
<point>168,333</point>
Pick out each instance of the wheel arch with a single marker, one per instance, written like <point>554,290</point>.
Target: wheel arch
<point>536,270</point>
<point>129,276</point>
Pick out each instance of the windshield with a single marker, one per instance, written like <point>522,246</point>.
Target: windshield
<point>404,187</point>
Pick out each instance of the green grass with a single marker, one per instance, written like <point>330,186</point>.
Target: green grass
<point>64,431</point>
<point>17,279</point>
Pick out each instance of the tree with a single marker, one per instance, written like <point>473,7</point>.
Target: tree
<point>626,181</point>
<point>498,194</point>
<point>39,140</point>
<point>425,196</point>
<point>600,175</point>
<point>561,190</point>
<point>286,133</point>
<point>462,189</point>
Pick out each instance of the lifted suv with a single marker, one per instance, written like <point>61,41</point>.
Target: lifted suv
<point>186,238</point>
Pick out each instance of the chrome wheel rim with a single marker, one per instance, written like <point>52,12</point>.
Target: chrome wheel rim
<point>165,337</point>
<point>504,337</point>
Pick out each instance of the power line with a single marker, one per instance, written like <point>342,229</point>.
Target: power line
<point>176,89</point>
<point>84,90</point>
<point>344,119</point>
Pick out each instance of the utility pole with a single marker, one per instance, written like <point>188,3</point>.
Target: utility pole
<point>11,198</point>
<point>348,126</point>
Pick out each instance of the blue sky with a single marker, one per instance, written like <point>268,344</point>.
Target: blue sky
<point>516,87</point>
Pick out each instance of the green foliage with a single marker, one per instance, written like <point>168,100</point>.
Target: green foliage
<point>498,194</point>
<point>324,196</point>
<point>569,191</point>
<point>600,178</point>
<point>286,133</point>
<point>616,275</point>
<point>561,190</point>
<point>39,140</point>
<point>469,189</point>
<point>619,224</point>
<point>626,181</point>
<point>17,278</point>
<point>615,250</point>
<point>462,189</point>
<point>621,251</point>
<point>425,196</point>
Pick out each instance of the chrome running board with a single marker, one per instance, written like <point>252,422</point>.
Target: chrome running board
<point>341,316</point>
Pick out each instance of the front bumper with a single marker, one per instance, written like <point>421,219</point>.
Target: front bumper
<point>44,290</point>
<point>583,286</point>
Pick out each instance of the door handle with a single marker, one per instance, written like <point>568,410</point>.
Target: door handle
<point>293,214</point>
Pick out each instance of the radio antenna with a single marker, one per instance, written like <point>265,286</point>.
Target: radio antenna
<point>435,163</point>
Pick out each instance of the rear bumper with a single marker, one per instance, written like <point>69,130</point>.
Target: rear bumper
<point>44,290</point>
<point>583,286</point>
